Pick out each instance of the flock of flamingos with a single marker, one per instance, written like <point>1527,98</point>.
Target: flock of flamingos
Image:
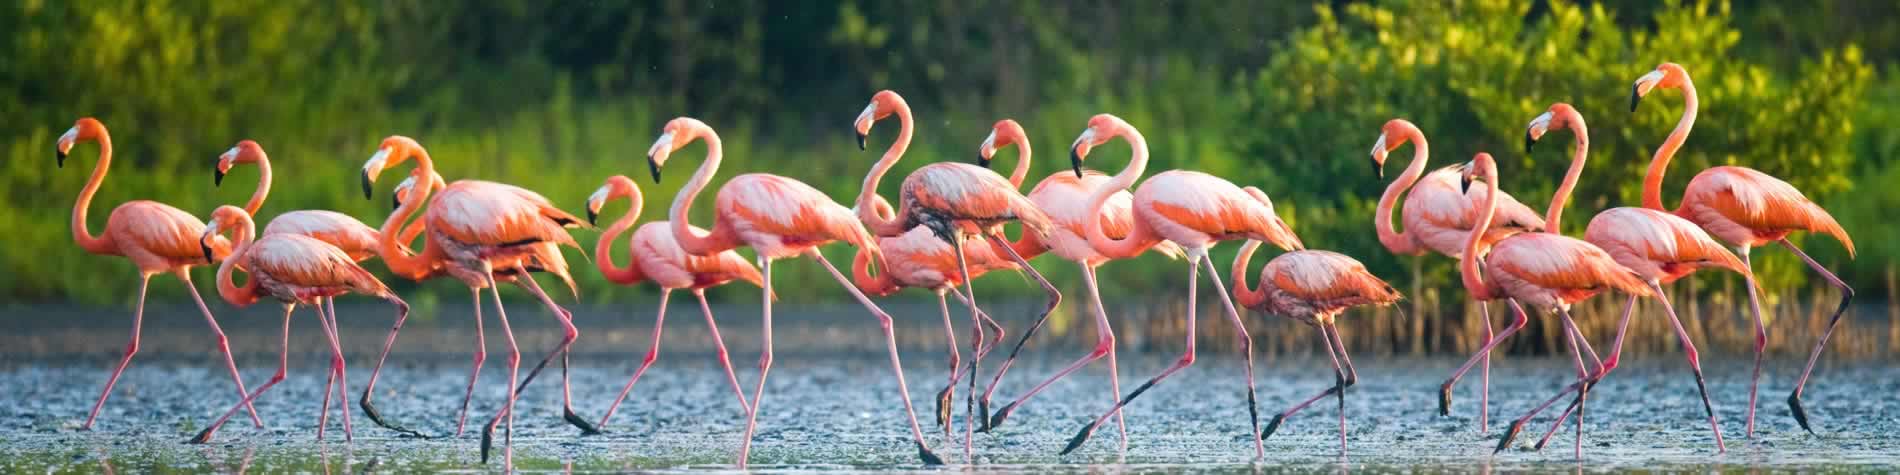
<point>947,225</point>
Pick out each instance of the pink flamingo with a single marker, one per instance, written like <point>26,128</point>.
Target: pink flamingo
<point>1193,209</point>
<point>293,269</point>
<point>1437,217</point>
<point>337,229</point>
<point>1064,197</point>
<point>657,257</point>
<point>157,238</point>
<point>1313,287</point>
<point>474,227</point>
<point>1659,247</point>
<point>1546,270</point>
<point>777,217</point>
<point>1747,209</point>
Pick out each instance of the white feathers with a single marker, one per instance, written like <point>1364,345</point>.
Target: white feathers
<point>661,148</point>
<point>1378,148</point>
<point>599,197</point>
<point>1539,125</point>
<point>988,148</point>
<point>376,162</point>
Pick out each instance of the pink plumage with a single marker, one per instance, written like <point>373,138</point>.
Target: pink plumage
<point>1437,214</point>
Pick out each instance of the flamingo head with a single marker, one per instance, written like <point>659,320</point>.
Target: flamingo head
<point>1101,128</point>
<point>673,136</point>
<point>391,152</point>
<point>1481,166</point>
<point>1666,76</point>
<point>226,217</point>
<point>883,104</point>
<point>1006,132</point>
<point>1395,133</point>
<point>86,128</point>
<point>407,189</point>
<point>247,151</point>
<point>615,187</point>
<point>1560,116</point>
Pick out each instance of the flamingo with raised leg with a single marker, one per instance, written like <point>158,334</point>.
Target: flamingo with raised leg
<point>157,238</point>
<point>659,258</point>
<point>294,269</point>
<point>1747,209</point>
<point>1313,287</point>
<point>1192,209</point>
<point>778,218</point>
<point>1437,217</point>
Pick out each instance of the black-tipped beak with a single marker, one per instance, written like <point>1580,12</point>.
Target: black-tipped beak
<point>1635,98</point>
<point>61,154</point>
<point>593,217</point>
<point>1378,168</point>
<point>395,202</point>
<point>1464,183</point>
<point>1528,142</point>
<point>1075,161</point>
<point>217,177</point>
<point>982,160</point>
<point>207,249</point>
<point>654,167</point>
<point>861,137</point>
<point>367,189</point>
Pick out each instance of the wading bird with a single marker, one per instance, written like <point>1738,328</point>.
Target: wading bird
<point>1313,287</point>
<point>1545,270</point>
<point>1192,209</point>
<point>658,258</point>
<point>156,237</point>
<point>1437,218</point>
<point>778,218</point>
<point>294,269</point>
<point>1747,209</point>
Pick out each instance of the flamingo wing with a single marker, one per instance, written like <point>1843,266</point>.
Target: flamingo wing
<point>965,191</point>
<point>1657,244</point>
<point>338,229</point>
<point>494,214</point>
<point>307,262</point>
<point>1562,264</point>
<point>1208,205</point>
<point>1326,277</point>
<point>1756,201</point>
<point>764,207</point>
<point>162,230</point>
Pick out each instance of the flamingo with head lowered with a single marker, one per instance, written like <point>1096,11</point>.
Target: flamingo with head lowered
<point>1747,209</point>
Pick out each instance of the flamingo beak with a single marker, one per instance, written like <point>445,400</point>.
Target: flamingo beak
<point>1528,142</point>
<point>1075,161</point>
<point>1378,167</point>
<point>395,202</point>
<point>593,216</point>
<point>60,158</point>
<point>368,190</point>
<point>863,124</point>
<point>861,138</point>
<point>658,153</point>
<point>210,231</point>
<point>1642,86</point>
<point>371,168</point>
<point>217,177</point>
<point>654,167</point>
<point>987,150</point>
<point>1636,97</point>
<point>65,145</point>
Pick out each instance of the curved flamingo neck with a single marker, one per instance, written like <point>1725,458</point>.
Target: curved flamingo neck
<point>81,235</point>
<point>263,187</point>
<point>227,289</point>
<point>1021,172</point>
<point>1652,182</point>
<point>1577,158</point>
<point>1140,235</point>
<point>1245,296</point>
<point>1468,264</point>
<point>1402,242</point>
<point>603,249</point>
<point>861,265</point>
<point>689,240</point>
<point>392,244</point>
<point>873,221</point>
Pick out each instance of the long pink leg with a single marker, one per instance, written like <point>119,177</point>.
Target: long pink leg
<point>1055,299</point>
<point>1444,391</point>
<point>976,344</point>
<point>897,366</point>
<point>283,362</point>
<point>996,332</point>
<point>1484,371</point>
<point>1187,358</point>
<point>224,345</point>
<point>481,354</point>
<point>514,369</point>
<point>653,353</point>
<point>1761,340</point>
<point>567,344</point>
<point>329,385</point>
<point>1246,348</point>
<point>720,343</point>
<point>342,369</point>
<point>131,348</point>
<point>1352,377</point>
<point>1104,347</point>
<point>765,362</point>
<point>949,388</point>
<point>1847,296</point>
<point>1339,386</point>
<point>369,408</point>
<point>1603,369</point>
<point>1572,336</point>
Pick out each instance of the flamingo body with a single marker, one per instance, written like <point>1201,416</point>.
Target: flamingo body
<point>1444,216</point>
<point>1194,209</point>
<point>1749,208</point>
<point>354,238</point>
<point>157,237</point>
<point>1657,245</point>
<point>1554,271</point>
<point>780,217</point>
<point>1311,286</point>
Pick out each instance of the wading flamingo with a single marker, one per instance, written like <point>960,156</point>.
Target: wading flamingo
<point>1313,287</point>
<point>1437,218</point>
<point>1546,270</point>
<point>1659,246</point>
<point>777,217</point>
<point>294,269</point>
<point>156,237</point>
<point>952,199</point>
<point>337,229</point>
<point>473,228</point>
<point>1747,209</point>
<point>1193,209</point>
<point>659,258</point>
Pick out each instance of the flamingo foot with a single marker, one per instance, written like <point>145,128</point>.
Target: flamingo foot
<point>1272,426</point>
<point>488,441</point>
<point>928,457</point>
<point>369,409</point>
<point>1001,415</point>
<point>983,407</point>
<point>587,428</point>
<point>1080,437</point>
<point>1511,435</point>
<point>203,437</point>
<point>1444,400</point>
<point>944,408</point>
<point>1800,415</point>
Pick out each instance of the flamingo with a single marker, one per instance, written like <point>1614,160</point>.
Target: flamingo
<point>1546,270</point>
<point>1064,197</point>
<point>777,217</point>
<point>156,237</point>
<point>1747,209</point>
<point>293,269</point>
<point>659,258</point>
<point>951,199</point>
<point>1192,209</point>
<point>473,228</point>
<point>1659,247</point>
<point>1313,287</point>
<point>1437,218</point>
<point>337,229</point>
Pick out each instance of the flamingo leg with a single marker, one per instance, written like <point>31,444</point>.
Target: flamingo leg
<point>1246,348</point>
<point>1847,297</point>
<point>131,348</point>
<point>1484,371</point>
<point>1603,369</point>
<point>481,354</point>
<point>283,362</point>
<point>564,349</point>
<point>1695,365</point>
<point>1352,377</point>
<point>369,408</point>
<point>329,385</point>
<point>1339,386</point>
<point>897,366</point>
<point>1761,339</point>
<point>765,360</point>
<point>1104,347</point>
<point>224,345</point>
<point>720,344</point>
<point>1571,336</point>
<point>976,344</point>
<point>338,366</point>
<point>653,353</point>
<point>956,364</point>
<point>1195,255</point>
<point>1055,299</point>
<point>1444,391</point>
<point>514,368</point>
